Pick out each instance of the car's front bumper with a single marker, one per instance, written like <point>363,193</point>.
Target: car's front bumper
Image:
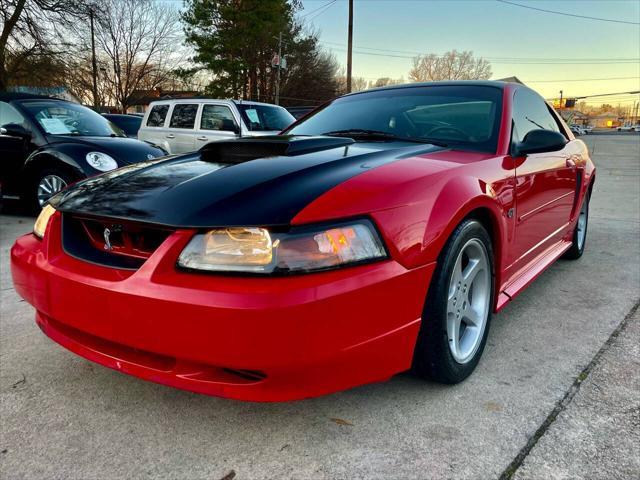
<point>261,339</point>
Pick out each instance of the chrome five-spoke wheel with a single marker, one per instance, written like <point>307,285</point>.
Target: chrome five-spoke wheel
<point>469,300</point>
<point>581,232</point>
<point>457,314</point>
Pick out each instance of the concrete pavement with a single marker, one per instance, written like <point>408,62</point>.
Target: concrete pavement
<point>597,432</point>
<point>64,417</point>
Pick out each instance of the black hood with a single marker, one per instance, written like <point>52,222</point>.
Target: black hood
<point>124,150</point>
<point>244,182</point>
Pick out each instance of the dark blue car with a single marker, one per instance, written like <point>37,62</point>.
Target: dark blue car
<point>129,124</point>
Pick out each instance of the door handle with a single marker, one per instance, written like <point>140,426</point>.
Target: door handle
<point>203,139</point>
<point>171,135</point>
<point>571,163</point>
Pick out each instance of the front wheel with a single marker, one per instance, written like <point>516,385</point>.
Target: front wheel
<point>46,184</point>
<point>457,314</point>
<point>580,233</point>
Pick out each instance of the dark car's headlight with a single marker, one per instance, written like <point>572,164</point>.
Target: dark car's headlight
<point>101,161</point>
<point>257,250</point>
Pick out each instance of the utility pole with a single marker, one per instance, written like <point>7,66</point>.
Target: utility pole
<point>279,67</point>
<point>350,46</point>
<point>560,100</point>
<point>93,62</point>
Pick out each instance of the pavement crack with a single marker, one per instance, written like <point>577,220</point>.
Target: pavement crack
<point>22,381</point>
<point>562,404</point>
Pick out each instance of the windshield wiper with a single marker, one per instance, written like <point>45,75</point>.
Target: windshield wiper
<point>357,133</point>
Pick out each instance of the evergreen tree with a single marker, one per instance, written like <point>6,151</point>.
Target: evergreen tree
<point>236,41</point>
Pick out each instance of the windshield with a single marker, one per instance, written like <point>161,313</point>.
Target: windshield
<point>265,117</point>
<point>65,118</point>
<point>464,117</point>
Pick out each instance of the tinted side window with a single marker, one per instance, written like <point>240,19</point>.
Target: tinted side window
<point>217,117</point>
<point>530,112</point>
<point>157,115</point>
<point>184,116</point>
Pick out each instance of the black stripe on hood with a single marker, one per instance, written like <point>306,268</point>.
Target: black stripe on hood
<point>190,192</point>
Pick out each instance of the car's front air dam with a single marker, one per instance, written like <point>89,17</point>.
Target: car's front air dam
<point>250,338</point>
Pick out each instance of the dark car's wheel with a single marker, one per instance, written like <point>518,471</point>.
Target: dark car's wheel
<point>580,233</point>
<point>457,313</point>
<point>46,183</point>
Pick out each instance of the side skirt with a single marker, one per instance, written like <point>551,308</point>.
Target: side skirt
<point>531,271</point>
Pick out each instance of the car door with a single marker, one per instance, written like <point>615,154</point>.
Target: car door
<point>153,128</point>
<point>180,133</point>
<point>545,182</point>
<point>216,122</point>
<point>13,149</point>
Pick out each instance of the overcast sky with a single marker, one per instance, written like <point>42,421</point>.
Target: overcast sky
<point>529,44</point>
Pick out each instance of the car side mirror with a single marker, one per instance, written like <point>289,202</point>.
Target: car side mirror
<point>230,126</point>
<point>15,130</point>
<point>540,141</point>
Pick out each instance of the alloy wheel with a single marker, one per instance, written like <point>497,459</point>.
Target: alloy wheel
<point>49,185</point>
<point>468,301</point>
<point>582,224</point>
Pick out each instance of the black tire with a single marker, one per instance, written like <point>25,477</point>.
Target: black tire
<point>432,356</point>
<point>32,192</point>
<point>577,248</point>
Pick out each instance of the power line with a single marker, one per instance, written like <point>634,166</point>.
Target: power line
<point>324,9</point>
<point>415,52</point>
<point>319,8</point>
<point>567,14</point>
<point>581,79</point>
<point>635,92</point>
<point>512,62</point>
<point>617,94</point>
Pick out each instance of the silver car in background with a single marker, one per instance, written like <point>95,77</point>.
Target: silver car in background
<point>185,125</point>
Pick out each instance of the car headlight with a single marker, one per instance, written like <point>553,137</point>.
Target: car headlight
<point>257,250</point>
<point>43,220</point>
<point>101,161</point>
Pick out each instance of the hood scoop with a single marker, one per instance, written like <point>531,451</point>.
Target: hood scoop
<point>244,149</point>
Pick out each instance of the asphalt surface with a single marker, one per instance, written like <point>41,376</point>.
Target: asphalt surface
<point>528,406</point>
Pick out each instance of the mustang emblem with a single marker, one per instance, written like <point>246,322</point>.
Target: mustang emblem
<point>107,242</point>
<point>107,235</point>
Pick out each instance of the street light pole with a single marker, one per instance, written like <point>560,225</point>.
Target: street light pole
<point>350,46</point>
<point>93,62</point>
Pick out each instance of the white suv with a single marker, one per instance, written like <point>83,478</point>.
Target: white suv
<point>185,125</point>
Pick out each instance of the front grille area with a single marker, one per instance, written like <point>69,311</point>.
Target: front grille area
<point>112,243</point>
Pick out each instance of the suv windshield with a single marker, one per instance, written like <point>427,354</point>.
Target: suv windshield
<point>65,118</point>
<point>461,116</point>
<point>265,117</point>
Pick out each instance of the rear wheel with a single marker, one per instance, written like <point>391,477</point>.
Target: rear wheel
<point>457,314</point>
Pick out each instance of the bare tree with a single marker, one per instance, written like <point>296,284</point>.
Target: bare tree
<point>138,46</point>
<point>357,83</point>
<point>452,65</point>
<point>30,32</point>
<point>385,81</point>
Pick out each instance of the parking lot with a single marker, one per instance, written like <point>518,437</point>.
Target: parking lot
<point>522,411</point>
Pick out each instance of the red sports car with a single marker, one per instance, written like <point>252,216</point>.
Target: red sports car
<point>376,235</point>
